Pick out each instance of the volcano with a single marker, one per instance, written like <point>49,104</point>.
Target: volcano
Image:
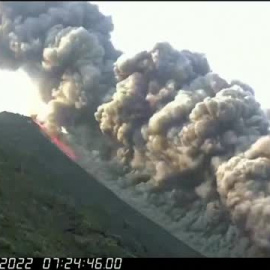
<point>51,207</point>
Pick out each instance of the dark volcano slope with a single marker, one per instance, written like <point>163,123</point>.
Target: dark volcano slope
<point>51,207</point>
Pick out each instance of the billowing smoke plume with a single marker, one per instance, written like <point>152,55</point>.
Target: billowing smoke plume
<point>178,122</point>
<point>66,48</point>
<point>173,115</point>
<point>244,187</point>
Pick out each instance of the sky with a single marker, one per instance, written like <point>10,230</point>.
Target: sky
<point>27,102</point>
<point>234,36</point>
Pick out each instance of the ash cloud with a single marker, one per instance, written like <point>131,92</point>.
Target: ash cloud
<point>65,47</point>
<point>173,115</point>
<point>175,120</point>
<point>243,184</point>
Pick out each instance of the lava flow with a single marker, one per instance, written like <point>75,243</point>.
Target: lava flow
<point>56,140</point>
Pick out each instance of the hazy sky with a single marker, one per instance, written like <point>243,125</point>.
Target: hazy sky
<point>235,36</point>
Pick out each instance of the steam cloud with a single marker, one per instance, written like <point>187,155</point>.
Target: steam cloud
<point>187,129</point>
<point>66,48</point>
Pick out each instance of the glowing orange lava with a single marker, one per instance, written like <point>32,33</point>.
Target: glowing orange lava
<point>56,140</point>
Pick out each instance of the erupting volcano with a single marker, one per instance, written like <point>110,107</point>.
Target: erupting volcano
<point>185,146</point>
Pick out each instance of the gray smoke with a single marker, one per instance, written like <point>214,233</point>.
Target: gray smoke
<point>65,47</point>
<point>172,114</point>
<point>243,184</point>
<point>176,121</point>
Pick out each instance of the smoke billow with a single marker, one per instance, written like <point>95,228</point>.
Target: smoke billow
<point>65,47</point>
<point>243,184</point>
<point>179,123</point>
<point>172,114</point>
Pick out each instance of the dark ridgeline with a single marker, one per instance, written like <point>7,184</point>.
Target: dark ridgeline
<point>26,148</point>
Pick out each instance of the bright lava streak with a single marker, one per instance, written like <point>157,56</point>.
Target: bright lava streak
<point>55,140</point>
